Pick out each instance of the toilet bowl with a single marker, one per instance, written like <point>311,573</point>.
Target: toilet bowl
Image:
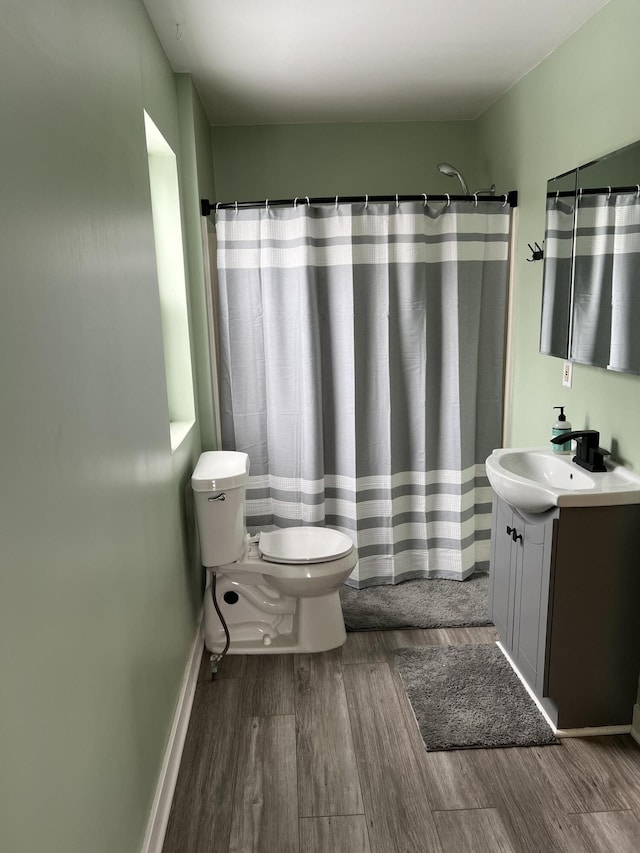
<point>278,592</point>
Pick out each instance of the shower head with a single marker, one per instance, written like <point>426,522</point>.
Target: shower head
<point>451,172</point>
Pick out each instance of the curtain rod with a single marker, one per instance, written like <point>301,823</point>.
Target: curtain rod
<point>206,207</point>
<point>634,188</point>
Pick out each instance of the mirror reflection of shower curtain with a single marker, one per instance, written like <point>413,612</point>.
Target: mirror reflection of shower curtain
<point>558,254</point>
<point>361,370</point>
<point>606,298</point>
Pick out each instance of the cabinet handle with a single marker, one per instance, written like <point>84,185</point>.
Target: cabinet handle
<point>513,533</point>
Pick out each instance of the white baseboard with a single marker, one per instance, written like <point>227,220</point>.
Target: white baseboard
<point>533,696</point>
<point>635,724</point>
<point>159,816</point>
<point>594,731</point>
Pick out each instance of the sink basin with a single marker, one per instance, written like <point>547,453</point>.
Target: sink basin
<point>535,479</point>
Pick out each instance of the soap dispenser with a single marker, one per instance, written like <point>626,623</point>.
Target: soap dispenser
<point>560,426</point>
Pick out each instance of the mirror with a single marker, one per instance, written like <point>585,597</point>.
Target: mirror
<point>591,285</point>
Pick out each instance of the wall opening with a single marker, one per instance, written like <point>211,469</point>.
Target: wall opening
<point>167,231</point>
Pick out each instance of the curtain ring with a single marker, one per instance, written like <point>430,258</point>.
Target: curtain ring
<point>308,202</point>
<point>475,199</point>
<point>236,208</point>
<point>448,199</point>
<point>638,192</point>
<point>397,202</point>
<point>366,202</point>
<point>609,194</point>
<point>218,206</point>
<point>266,204</point>
<point>426,199</point>
<point>506,199</point>
<point>557,196</point>
<point>295,201</point>
<point>336,202</point>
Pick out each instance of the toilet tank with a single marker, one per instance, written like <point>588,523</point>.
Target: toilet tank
<point>219,483</point>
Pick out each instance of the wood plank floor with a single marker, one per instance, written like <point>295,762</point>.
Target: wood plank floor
<point>321,754</point>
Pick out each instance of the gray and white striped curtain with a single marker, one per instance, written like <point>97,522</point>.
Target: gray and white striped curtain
<point>361,370</point>
<point>558,266</point>
<point>606,291</point>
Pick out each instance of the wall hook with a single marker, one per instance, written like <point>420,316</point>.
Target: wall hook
<point>537,254</point>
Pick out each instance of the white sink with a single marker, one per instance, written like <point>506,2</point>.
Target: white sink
<point>535,479</point>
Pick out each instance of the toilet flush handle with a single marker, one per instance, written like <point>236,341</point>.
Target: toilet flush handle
<point>220,497</point>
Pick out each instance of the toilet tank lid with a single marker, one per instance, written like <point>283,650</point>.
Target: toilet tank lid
<point>220,469</point>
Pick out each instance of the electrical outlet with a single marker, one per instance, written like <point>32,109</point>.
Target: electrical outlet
<point>567,374</point>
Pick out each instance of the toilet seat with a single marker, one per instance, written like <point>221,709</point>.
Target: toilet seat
<point>303,545</point>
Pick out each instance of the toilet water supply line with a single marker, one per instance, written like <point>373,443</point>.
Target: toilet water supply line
<point>216,659</point>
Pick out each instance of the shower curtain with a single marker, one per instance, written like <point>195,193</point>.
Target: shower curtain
<point>606,297</point>
<point>361,355</point>
<point>558,264</point>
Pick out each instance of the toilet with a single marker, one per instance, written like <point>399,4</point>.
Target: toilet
<point>277,591</point>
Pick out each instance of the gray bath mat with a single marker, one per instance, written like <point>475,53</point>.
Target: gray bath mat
<point>466,697</point>
<point>417,604</point>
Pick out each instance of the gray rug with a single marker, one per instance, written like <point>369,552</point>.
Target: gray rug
<point>466,697</point>
<point>417,604</point>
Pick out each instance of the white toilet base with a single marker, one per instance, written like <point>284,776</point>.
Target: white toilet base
<point>303,625</point>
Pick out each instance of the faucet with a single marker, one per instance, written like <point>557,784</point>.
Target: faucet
<point>588,454</point>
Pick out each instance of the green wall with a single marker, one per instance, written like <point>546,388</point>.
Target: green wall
<point>285,161</point>
<point>577,105</point>
<point>99,587</point>
<point>197,183</point>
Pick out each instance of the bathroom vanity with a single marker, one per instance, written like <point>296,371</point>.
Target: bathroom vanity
<point>564,595</point>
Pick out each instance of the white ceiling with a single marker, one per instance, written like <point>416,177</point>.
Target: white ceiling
<point>282,61</point>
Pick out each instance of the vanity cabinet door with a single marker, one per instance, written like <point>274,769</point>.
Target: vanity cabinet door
<point>519,588</point>
<point>532,569</point>
<point>502,576</point>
